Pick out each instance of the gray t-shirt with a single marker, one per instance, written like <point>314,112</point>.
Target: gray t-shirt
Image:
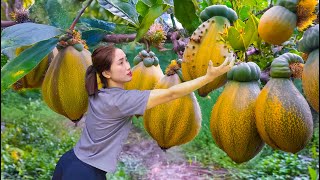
<point>107,125</point>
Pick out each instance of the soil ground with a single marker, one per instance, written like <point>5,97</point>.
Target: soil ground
<point>144,159</point>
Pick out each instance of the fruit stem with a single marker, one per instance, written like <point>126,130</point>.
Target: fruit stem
<point>79,15</point>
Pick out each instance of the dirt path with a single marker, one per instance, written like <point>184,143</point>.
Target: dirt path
<point>143,159</point>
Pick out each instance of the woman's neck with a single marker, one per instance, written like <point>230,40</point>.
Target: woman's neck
<point>112,84</point>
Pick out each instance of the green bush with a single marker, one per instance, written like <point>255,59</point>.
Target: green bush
<point>32,140</point>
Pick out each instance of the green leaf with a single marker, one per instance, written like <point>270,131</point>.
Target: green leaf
<point>26,34</point>
<point>244,12</point>
<point>250,31</point>
<point>122,9</point>
<point>235,39</point>
<point>153,13</point>
<point>38,12</point>
<point>96,23</point>
<point>57,15</point>
<point>142,8</point>
<point>313,173</point>
<point>25,62</point>
<point>185,12</point>
<point>94,36</point>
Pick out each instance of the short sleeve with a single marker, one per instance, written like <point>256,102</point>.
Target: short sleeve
<point>133,102</point>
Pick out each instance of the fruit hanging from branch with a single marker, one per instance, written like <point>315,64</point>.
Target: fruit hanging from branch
<point>233,123</point>
<point>63,87</point>
<point>310,77</point>
<point>146,71</point>
<point>283,116</point>
<point>278,23</point>
<point>176,122</point>
<point>205,45</point>
<point>35,77</point>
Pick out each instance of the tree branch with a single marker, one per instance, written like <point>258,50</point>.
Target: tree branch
<point>262,11</point>
<point>79,15</point>
<point>119,38</point>
<point>5,24</point>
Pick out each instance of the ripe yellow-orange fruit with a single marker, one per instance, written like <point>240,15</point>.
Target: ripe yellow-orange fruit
<point>310,76</point>
<point>35,77</point>
<point>63,87</point>
<point>283,116</point>
<point>205,45</point>
<point>310,79</point>
<point>277,25</point>
<point>146,72</point>
<point>233,123</point>
<point>176,122</point>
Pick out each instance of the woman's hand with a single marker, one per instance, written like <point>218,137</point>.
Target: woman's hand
<point>213,72</point>
<point>160,96</point>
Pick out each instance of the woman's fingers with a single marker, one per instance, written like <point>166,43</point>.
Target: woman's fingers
<point>233,60</point>
<point>210,63</point>
<point>225,62</point>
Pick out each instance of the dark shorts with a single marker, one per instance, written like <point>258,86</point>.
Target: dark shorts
<point>69,167</point>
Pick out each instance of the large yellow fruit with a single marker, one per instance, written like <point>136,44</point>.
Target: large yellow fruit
<point>276,25</point>
<point>283,116</point>
<point>146,72</point>
<point>63,87</point>
<point>35,77</point>
<point>176,122</point>
<point>233,123</point>
<point>310,77</point>
<point>205,45</point>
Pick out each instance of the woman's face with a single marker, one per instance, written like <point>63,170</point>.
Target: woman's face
<point>120,71</point>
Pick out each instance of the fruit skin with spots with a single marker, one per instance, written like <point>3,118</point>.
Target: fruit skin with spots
<point>232,122</point>
<point>283,116</point>
<point>146,72</point>
<point>205,45</point>
<point>176,122</point>
<point>63,88</point>
<point>310,77</point>
<point>35,77</point>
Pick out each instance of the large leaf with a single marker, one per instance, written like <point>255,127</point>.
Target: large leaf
<point>25,62</point>
<point>242,35</point>
<point>96,23</point>
<point>153,13</point>
<point>185,12</point>
<point>57,15</point>
<point>26,34</point>
<point>94,36</point>
<point>235,39</point>
<point>122,9</point>
<point>250,31</point>
<point>38,12</point>
<point>142,8</point>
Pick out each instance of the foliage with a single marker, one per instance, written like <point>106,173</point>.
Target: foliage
<point>25,62</point>
<point>32,140</point>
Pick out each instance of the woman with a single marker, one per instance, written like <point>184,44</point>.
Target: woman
<point>110,109</point>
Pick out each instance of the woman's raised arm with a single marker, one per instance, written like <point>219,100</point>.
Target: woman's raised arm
<point>160,96</point>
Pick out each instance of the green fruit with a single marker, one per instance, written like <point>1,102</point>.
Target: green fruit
<point>144,53</point>
<point>136,60</point>
<point>244,72</point>
<point>280,65</point>
<point>218,10</point>
<point>310,40</point>
<point>156,61</point>
<point>148,61</point>
<point>78,47</point>
<point>152,54</point>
